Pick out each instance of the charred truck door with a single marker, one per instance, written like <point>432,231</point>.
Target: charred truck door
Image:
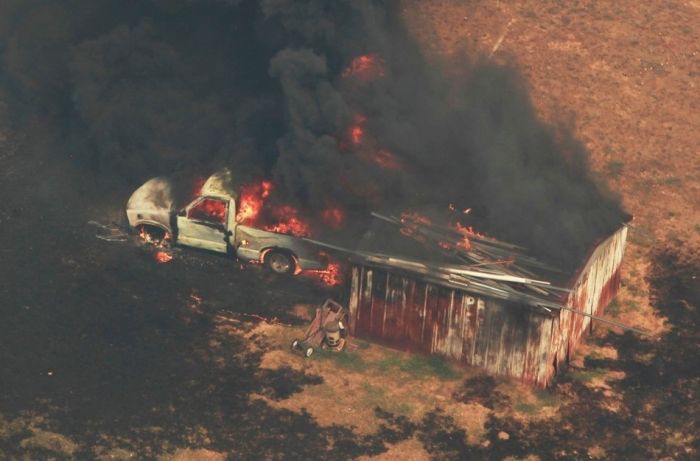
<point>203,224</point>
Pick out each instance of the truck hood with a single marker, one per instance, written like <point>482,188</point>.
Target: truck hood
<point>155,194</point>
<point>152,204</point>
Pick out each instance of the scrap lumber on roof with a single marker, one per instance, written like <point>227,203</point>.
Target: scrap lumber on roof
<point>480,249</point>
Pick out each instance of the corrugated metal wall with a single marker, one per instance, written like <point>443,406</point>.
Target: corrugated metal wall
<point>413,315</point>
<point>501,337</point>
<point>594,288</point>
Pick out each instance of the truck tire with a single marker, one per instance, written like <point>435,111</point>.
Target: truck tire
<point>279,262</point>
<point>153,234</point>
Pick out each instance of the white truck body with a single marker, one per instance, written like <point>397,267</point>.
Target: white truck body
<point>209,222</point>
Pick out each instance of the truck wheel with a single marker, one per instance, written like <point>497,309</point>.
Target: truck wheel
<point>153,235</point>
<point>279,262</point>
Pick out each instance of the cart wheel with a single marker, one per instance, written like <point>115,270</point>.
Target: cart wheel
<point>295,344</point>
<point>309,351</point>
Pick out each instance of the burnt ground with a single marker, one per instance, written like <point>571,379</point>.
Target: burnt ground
<point>109,349</point>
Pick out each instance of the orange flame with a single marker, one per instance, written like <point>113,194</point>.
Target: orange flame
<point>467,231</point>
<point>357,130</point>
<point>332,276</point>
<point>356,134</point>
<point>211,208</point>
<point>464,244</point>
<point>198,185</point>
<point>365,67</point>
<point>445,245</point>
<point>289,222</point>
<point>333,217</point>
<point>252,199</point>
<point>286,218</point>
<point>266,187</point>
<point>163,257</point>
<point>408,216</point>
<point>387,160</point>
<point>148,238</point>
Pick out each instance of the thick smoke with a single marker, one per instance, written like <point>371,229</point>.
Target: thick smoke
<point>131,90</point>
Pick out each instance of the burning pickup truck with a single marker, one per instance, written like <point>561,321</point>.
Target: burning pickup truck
<point>210,221</point>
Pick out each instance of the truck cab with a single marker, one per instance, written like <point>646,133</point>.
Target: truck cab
<point>207,223</point>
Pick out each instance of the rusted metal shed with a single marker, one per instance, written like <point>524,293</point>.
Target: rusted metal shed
<point>414,311</point>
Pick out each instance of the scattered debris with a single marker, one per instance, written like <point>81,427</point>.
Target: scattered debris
<point>52,442</point>
<point>109,232</point>
<point>500,39</point>
<point>194,455</point>
<point>230,316</point>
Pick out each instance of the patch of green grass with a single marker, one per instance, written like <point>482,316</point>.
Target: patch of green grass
<point>376,396</point>
<point>594,355</point>
<point>614,168</point>
<point>362,344</point>
<point>373,396</point>
<point>418,366</point>
<point>527,408</point>
<point>641,235</point>
<point>673,236</point>
<point>546,398</point>
<point>586,376</point>
<point>671,181</point>
<point>373,392</point>
<point>345,359</point>
<point>401,408</point>
<point>631,304</point>
<point>613,308</point>
<point>424,366</point>
<point>646,185</point>
<point>390,361</point>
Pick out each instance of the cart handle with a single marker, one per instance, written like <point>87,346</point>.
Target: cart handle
<point>336,307</point>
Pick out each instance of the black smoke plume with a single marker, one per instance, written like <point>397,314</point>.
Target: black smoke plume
<point>131,90</point>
